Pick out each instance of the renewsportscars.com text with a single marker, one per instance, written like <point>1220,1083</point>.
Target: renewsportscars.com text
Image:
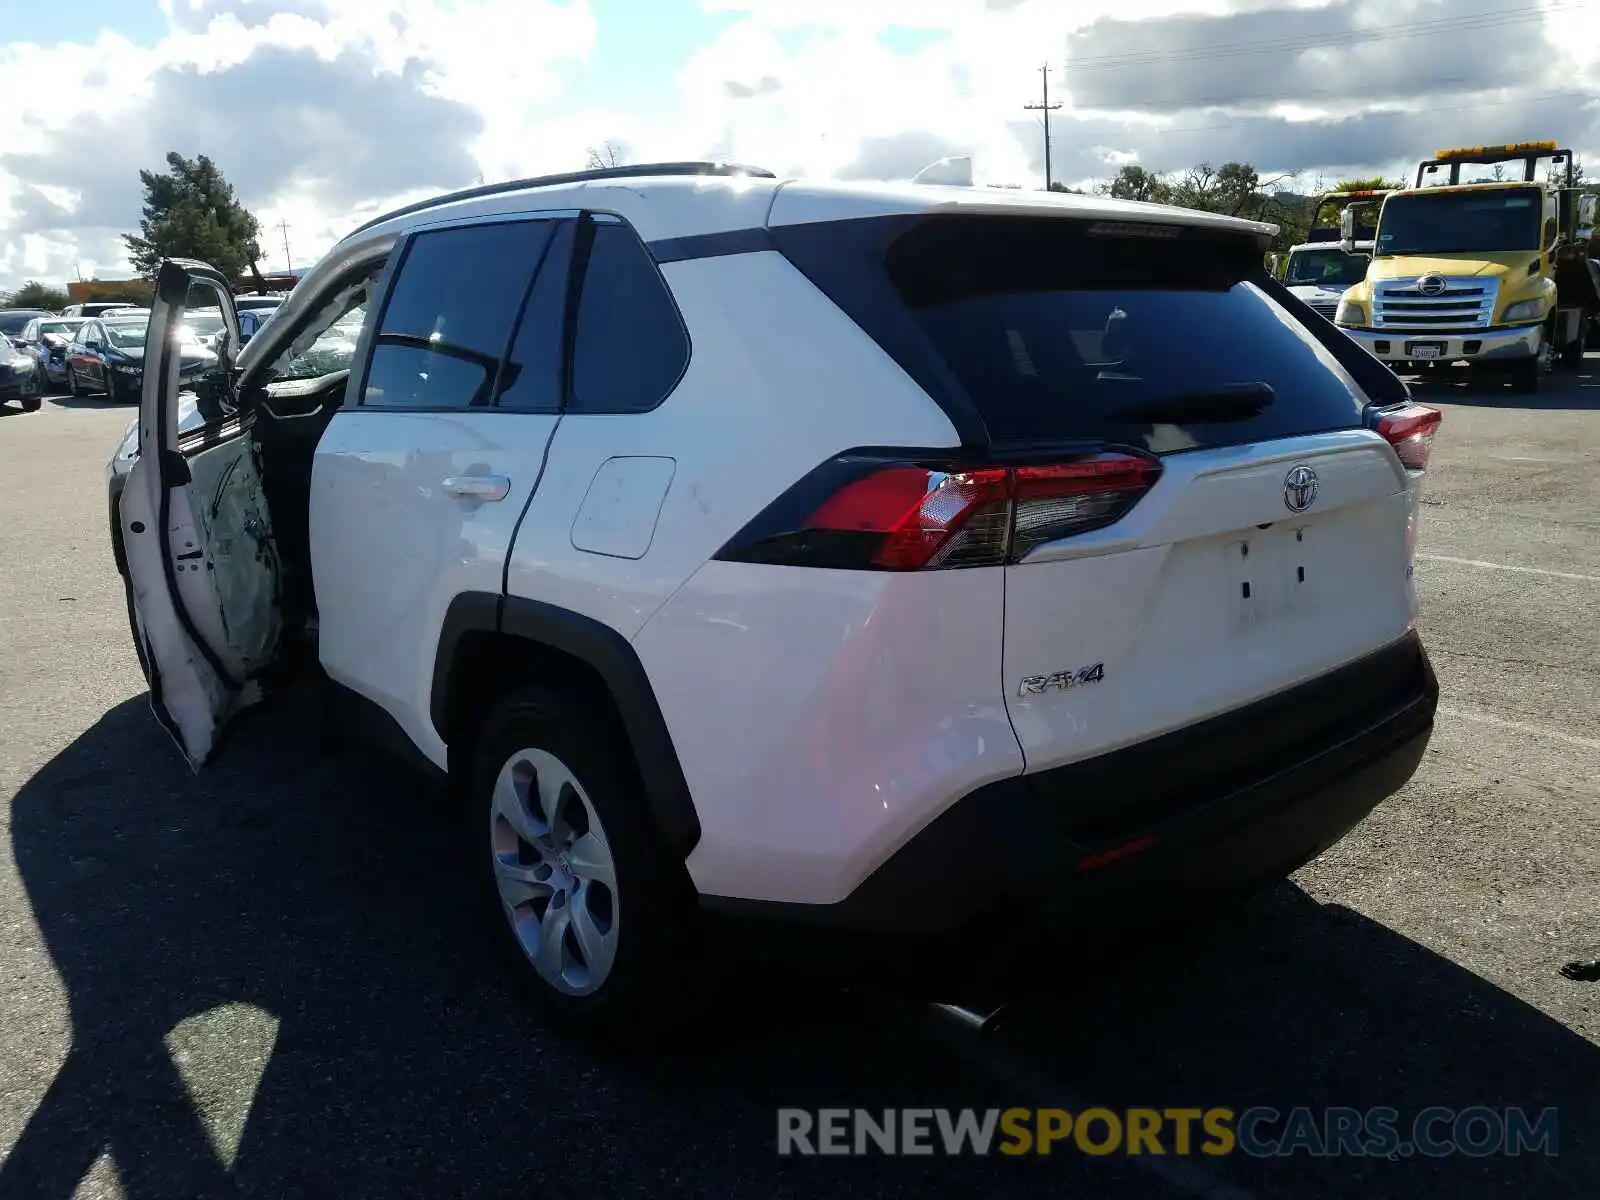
<point>1260,1132</point>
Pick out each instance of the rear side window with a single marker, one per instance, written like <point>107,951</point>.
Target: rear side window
<point>630,348</point>
<point>533,378</point>
<point>1054,330</point>
<point>450,315</point>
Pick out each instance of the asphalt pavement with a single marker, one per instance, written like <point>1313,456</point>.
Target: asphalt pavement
<point>263,980</point>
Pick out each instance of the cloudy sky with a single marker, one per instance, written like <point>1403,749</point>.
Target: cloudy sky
<point>324,111</point>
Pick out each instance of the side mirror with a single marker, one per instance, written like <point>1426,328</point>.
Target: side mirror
<point>1347,231</point>
<point>1586,207</point>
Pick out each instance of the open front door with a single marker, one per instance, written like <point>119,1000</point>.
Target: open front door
<point>195,530</point>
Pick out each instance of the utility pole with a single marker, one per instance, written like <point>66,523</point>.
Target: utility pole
<point>1047,108</point>
<point>288,263</point>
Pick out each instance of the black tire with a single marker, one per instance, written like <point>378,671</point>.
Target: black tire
<point>1572,353</point>
<point>657,973</point>
<point>1528,377</point>
<point>32,403</point>
<point>73,389</point>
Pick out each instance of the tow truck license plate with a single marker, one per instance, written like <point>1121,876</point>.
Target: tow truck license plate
<point>1425,349</point>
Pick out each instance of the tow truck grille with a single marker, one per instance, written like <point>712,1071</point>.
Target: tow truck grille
<point>1465,303</point>
<point>1329,309</point>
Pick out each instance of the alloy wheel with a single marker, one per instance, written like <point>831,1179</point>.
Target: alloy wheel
<point>555,872</point>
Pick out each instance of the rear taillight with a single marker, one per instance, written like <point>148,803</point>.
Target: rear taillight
<point>1410,429</point>
<point>916,516</point>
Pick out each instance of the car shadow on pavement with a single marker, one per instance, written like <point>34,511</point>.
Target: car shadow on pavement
<point>1292,1003</point>
<point>302,918</point>
<point>317,899</point>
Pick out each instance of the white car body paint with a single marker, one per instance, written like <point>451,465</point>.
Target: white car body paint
<point>752,320</point>
<point>391,548</point>
<point>867,703</point>
<point>619,512</point>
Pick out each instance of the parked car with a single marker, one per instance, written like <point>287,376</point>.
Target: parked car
<point>97,308</point>
<point>19,377</point>
<point>14,320</point>
<point>1320,274</point>
<point>47,339</point>
<point>867,560</point>
<point>244,304</point>
<point>107,356</point>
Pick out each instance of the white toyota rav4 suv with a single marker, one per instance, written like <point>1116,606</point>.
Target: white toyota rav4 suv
<point>879,560</point>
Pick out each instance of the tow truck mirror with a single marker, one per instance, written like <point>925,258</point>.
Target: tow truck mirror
<point>1347,231</point>
<point>1586,207</point>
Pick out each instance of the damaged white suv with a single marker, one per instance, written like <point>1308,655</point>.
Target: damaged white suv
<point>865,560</point>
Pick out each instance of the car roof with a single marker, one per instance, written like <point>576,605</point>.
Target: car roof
<point>665,202</point>
<point>670,201</point>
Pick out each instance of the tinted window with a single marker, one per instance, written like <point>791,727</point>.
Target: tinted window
<point>126,335</point>
<point>1056,329</point>
<point>450,314</point>
<point>1461,222</point>
<point>630,347</point>
<point>532,380</point>
<point>1330,268</point>
<point>11,323</point>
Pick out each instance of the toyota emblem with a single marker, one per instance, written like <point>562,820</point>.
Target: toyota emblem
<point>1299,489</point>
<point>1431,285</point>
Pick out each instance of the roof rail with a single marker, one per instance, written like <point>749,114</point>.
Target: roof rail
<point>637,171</point>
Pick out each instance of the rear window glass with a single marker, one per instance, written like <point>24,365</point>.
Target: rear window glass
<point>1056,333</point>
<point>1058,329</point>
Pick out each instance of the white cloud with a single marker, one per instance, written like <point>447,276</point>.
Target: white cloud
<point>322,111</point>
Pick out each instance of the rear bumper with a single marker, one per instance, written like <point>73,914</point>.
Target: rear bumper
<point>1473,346</point>
<point>1232,802</point>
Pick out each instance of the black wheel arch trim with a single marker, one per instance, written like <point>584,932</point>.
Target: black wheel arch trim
<point>613,659</point>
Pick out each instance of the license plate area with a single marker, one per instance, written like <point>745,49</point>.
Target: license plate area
<point>1272,575</point>
<point>1425,350</point>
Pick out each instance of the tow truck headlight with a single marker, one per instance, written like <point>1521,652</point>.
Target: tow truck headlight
<point>1524,310</point>
<point>1349,313</point>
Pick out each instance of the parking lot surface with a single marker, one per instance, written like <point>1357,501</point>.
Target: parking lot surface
<point>262,980</point>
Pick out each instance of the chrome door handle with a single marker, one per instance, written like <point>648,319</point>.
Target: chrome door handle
<point>477,487</point>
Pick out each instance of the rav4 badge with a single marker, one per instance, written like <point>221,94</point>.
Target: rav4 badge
<point>1060,681</point>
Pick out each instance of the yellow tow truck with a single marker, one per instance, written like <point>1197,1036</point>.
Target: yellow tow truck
<point>1489,273</point>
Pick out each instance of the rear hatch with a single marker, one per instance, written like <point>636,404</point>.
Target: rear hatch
<point>1250,531</point>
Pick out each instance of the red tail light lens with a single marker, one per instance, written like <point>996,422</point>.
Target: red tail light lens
<point>905,517</point>
<point>1410,431</point>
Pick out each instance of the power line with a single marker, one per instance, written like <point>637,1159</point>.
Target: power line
<point>1047,108</point>
<point>1407,29</point>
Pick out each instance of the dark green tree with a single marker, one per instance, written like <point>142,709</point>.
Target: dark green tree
<point>190,211</point>
<point>34,294</point>
<point>1133,182</point>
